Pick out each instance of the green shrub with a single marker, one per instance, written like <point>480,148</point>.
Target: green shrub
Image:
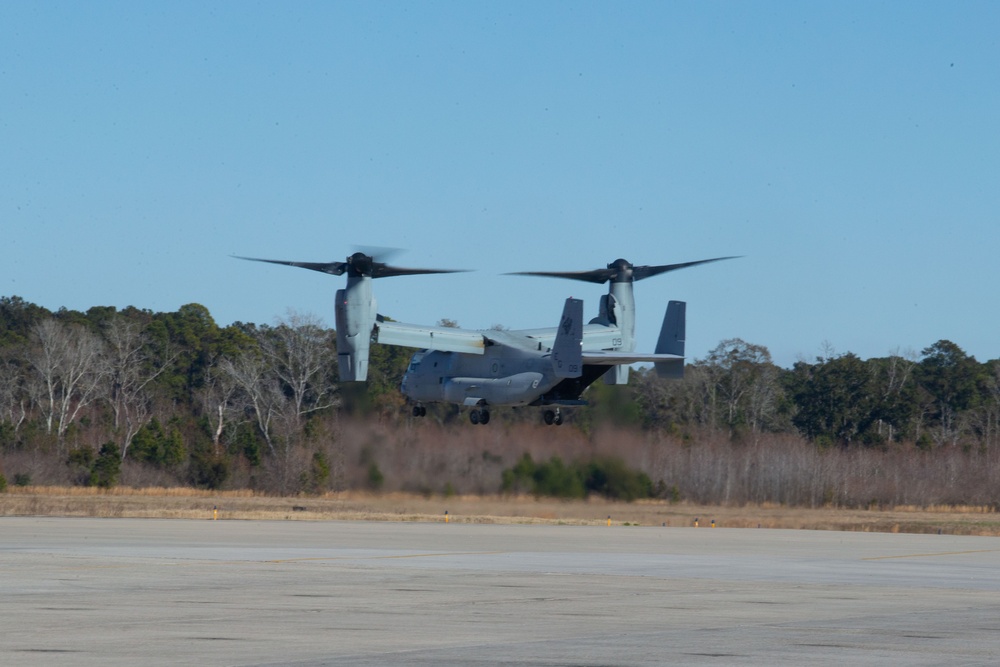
<point>153,444</point>
<point>314,480</point>
<point>608,477</point>
<point>107,467</point>
<point>319,472</point>
<point>375,477</point>
<point>80,462</point>
<point>556,479</point>
<point>208,471</point>
<point>245,440</point>
<point>8,439</point>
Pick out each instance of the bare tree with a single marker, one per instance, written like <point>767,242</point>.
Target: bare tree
<point>259,393</point>
<point>300,355</point>
<point>666,403</point>
<point>893,378</point>
<point>746,382</point>
<point>14,400</point>
<point>286,380</point>
<point>993,383</point>
<point>69,363</point>
<point>219,400</point>
<point>129,371</point>
<point>763,396</point>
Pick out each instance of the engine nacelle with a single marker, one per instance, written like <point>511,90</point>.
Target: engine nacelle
<point>618,306</point>
<point>355,312</point>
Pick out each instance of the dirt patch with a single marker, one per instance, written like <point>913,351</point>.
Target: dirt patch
<point>243,505</point>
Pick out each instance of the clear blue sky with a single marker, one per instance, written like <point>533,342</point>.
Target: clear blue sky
<point>849,150</point>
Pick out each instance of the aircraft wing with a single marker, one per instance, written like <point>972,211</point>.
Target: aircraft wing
<point>445,339</point>
<point>595,336</point>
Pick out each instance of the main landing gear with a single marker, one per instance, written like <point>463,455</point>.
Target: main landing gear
<point>551,417</point>
<point>478,416</point>
<point>419,411</point>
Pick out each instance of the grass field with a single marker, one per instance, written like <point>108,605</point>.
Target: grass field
<point>183,503</point>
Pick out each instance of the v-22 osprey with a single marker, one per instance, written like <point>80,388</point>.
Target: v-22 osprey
<point>548,367</point>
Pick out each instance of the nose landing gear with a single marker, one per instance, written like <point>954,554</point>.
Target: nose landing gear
<point>419,411</point>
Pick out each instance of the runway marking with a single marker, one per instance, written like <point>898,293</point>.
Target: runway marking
<point>428,555</point>
<point>941,553</point>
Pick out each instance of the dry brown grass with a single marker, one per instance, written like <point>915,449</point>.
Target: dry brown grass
<point>185,503</point>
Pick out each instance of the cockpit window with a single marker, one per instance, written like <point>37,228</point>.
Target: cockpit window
<point>415,361</point>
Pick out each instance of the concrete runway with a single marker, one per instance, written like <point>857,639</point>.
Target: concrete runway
<point>163,592</point>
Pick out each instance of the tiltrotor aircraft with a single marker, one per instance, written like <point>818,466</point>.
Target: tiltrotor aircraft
<point>481,369</point>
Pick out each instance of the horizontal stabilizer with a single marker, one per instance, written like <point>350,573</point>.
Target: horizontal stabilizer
<point>616,358</point>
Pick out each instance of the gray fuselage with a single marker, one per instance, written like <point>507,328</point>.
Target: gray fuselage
<point>500,376</point>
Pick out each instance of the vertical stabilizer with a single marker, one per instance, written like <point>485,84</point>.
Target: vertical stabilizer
<point>567,350</point>
<point>671,340</point>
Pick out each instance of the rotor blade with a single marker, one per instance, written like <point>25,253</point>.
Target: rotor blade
<point>596,276</point>
<point>640,272</point>
<point>618,270</point>
<point>379,253</point>
<point>333,268</point>
<point>386,271</point>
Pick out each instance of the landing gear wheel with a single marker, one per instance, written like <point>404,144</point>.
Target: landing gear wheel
<point>549,417</point>
<point>484,417</point>
<point>423,411</point>
<point>558,419</point>
<point>474,416</point>
<point>416,411</point>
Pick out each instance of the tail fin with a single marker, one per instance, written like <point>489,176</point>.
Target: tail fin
<point>671,340</point>
<point>567,350</point>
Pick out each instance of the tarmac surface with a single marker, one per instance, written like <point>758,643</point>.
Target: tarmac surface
<point>77,591</point>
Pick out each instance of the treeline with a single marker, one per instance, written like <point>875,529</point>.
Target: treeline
<point>943,397</point>
<point>134,397</point>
